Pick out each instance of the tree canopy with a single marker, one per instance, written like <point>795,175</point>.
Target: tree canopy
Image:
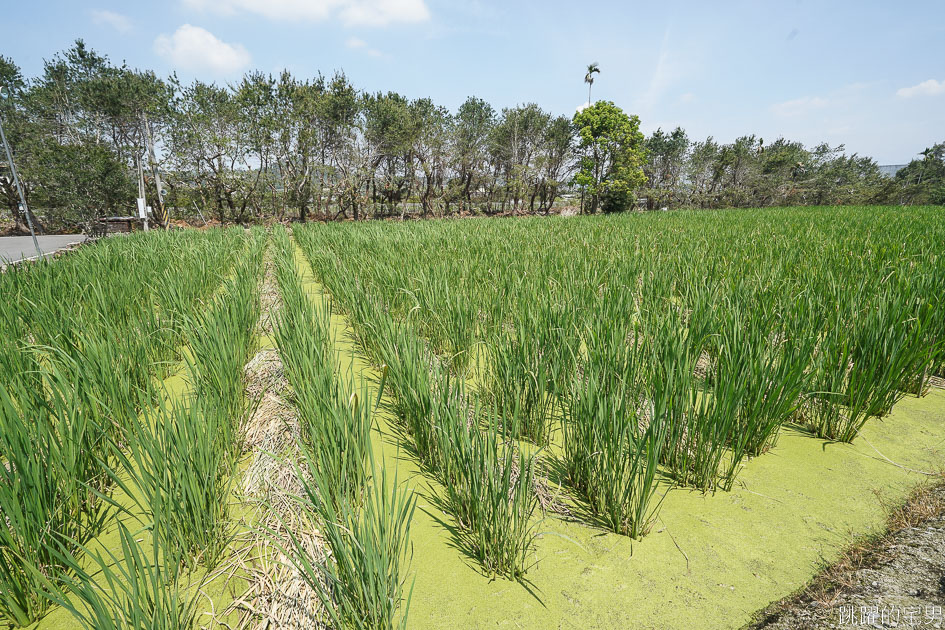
<point>612,156</point>
<point>282,146</point>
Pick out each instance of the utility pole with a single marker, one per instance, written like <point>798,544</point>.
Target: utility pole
<point>142,204</point>
<point>160,211</point>
<point>16,180</point>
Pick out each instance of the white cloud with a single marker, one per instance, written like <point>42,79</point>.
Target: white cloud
<point>351,12</point>
<point>273,9</point>
<point>675,66</point>
<point>846,99</point>
<point>119,22</point>
<point>664,74</point>
<point>195,48</point>
<point>359,44</point>
<point>799,106</point>
<point>383,12</point>
<point>926,88</point>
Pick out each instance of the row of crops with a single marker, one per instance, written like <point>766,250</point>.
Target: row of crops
<point>118,491</point>
<point>364,517</point>
<point>85,342</point>
<point>625,354</point>
<point>618,356</point>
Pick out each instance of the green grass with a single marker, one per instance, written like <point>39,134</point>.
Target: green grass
<point>745,322</point>
<point>619,355</point>
<point>490,489</point>
<point>49,460</point>
<point>84,344</point>
<point>361,582</point>
<point>612,442</point>
<point>334,413</point>
<point>363,517</point>
<point>138,588</point>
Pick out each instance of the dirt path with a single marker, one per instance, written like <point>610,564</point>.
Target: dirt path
<point>896,581</point>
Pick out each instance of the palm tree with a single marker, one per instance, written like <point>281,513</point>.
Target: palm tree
<point>592,69</point>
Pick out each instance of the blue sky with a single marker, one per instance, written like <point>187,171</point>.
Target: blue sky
<point>867,74</point>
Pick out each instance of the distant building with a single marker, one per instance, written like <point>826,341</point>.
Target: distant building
<point>890,170</point>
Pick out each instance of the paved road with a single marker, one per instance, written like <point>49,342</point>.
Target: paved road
<point>14,248</point>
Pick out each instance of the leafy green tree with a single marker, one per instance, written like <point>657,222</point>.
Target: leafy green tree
<point>922,181</point>
<point>391,131</point>
<point>255,100</point>
<point>433,125</point>
<point>210,148</point>
<point>294,137</point>
<point>77,131</point>
<point>834,178</point>
<point>735,164</point>
<point>472,130</point>
<point>21,135</point>
<point>82,182</point>
<point>612,155</point>
<point>666,159</point>
<point>554,163</point>
<point>701,173</point>
<point>779,174</point>
<point>517,142</point>
<point>341,160</point>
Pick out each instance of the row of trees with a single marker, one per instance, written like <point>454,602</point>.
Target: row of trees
<point>285,147</point>
<point>748,173</point>
<point>269,146</point>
